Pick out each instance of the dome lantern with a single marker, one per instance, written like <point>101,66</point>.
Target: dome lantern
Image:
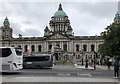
<point>6,22</point>
<point>60,12</point>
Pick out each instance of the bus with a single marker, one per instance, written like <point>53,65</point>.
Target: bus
<point>12,58</point>
<point>39,61</point>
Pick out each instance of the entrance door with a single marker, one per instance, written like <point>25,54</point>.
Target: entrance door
<point>56,56</point>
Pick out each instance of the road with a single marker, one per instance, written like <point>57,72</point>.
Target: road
<point>60,73</point>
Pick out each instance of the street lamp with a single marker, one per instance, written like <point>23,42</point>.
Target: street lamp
<point>86,62</point>
<point>82,58</point>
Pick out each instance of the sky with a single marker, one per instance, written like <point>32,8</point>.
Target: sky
<point>29,18</point>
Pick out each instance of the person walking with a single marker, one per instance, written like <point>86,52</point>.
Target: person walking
<point>116,68</point>
<point>108,64</point>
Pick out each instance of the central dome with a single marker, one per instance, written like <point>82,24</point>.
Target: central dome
<point>60,12</point>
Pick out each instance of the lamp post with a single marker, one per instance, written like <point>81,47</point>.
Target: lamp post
<point>82,57</point>
<point>86,62</point>
<point>94,60</point>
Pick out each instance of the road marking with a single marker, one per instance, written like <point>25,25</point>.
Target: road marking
<point>57,79</point>
<point>63,74</point>
<point>84,74</point>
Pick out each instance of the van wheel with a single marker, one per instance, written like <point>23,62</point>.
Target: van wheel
<point>38,67</point>
<point>23,66</point>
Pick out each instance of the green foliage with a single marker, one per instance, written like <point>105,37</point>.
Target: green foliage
<point>111,36</point>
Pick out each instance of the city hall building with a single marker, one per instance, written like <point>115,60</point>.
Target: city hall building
<point>58,39</point>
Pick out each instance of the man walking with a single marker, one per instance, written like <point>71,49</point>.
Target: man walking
<point>108,63</point>
<point>116,68</point>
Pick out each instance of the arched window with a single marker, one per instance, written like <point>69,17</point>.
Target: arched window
<point>19,46</point>
<point>50,47</point>
<point>77,47</point>
<point>39,48</point>
<point>59,27</point>
<point>64,28</point>
<point>58,45</point>
<point>12,46</point>
<point>65,47</point>
<point>33,48</point>
<point>84,47</point>
<point>92,47</point>
<point>25,48</point>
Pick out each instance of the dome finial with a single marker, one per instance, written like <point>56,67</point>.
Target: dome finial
<point>6,18</point>
<point>117,14</point>
<point>60,12</point>
<point>60,7</point>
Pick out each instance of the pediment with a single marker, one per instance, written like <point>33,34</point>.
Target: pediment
<point>58,36</point>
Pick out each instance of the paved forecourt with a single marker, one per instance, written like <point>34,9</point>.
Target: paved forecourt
<point>57,79</point>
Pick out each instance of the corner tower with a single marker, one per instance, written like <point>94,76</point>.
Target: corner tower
<point>60,22</point>
<point>117,18</point>
<point>6,31</point>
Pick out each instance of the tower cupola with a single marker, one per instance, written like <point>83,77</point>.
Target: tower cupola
<point>117,18</point>
<point>6,22</point>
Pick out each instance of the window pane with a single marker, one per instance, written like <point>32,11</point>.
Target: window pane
<point>18,51</point>
<point>5,52</point>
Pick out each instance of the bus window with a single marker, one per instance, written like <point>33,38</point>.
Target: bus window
<point>32,59</point>
<point>27,59</point>
<point>3,52</point>
<point>46,58</point>
<point>18,51</point>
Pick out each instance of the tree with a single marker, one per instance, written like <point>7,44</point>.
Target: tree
<point>111,36</point>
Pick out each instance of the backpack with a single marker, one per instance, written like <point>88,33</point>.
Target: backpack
<point>116,63</point>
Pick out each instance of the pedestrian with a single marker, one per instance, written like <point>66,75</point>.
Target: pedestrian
<point>116,68</point>
<point>86,63</point>
<point>109,64</point>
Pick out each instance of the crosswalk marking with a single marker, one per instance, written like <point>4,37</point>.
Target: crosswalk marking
<point>83,74</point>
<point>63,74</point>
<point>77,74</point>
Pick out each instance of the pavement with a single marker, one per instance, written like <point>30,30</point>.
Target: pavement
<point>98,67</point>
<point>104,67</point>
<point>83,67</point>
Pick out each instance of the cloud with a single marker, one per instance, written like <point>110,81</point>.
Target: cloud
<point>89,17</point>
<point>30,18</point>
<point>26,32</point>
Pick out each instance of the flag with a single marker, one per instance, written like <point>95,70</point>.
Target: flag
<point>20,36</point>
<point>28,51</point>
<point>52,50</point>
